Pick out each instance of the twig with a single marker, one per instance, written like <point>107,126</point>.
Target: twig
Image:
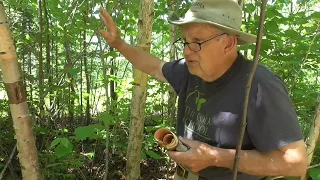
<point>8,162</point>
<point>314,166</point>
<point>304,60</point>
<point>310,167</point>
<point>245,106</point>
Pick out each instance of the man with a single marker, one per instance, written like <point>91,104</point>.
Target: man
<point>211,82</point>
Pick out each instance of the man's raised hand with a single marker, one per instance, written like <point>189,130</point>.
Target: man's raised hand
<point>111,35</point>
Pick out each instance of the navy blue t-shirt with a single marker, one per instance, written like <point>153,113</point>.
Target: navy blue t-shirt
<point>212,112</point>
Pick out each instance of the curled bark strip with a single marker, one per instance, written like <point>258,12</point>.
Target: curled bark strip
<point>167,139</point>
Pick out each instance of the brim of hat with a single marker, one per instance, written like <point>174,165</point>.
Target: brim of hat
<point>243,37</point>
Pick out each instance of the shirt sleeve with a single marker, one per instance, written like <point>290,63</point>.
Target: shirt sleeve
<point>175,73</point>
<point>272,119</point>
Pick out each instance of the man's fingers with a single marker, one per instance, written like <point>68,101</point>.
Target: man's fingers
<point>187,142</point>
<point>105,35</point>
<point>103,20</point>
<point>175,156</point>
<point>108,21</point>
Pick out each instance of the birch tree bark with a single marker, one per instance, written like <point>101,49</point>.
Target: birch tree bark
<point>145,23</point>
<point>313,136</point>
<point>17,99</point>
<point>172,94</point>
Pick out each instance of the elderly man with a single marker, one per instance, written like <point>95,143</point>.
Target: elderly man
<point>210,82</point>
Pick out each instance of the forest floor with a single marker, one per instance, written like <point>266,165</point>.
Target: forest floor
<point>151,169</point>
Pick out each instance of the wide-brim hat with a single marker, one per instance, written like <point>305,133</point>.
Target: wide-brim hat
<point>225,15</point>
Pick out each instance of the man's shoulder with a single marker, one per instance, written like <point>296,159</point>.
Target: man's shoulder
<point>262,71</point>
<point>264,76</point>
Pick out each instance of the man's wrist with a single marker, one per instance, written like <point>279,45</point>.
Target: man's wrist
<point>222,157</point>
<point>121,46</point>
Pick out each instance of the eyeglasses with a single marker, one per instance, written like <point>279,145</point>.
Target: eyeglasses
<point>193,46</point>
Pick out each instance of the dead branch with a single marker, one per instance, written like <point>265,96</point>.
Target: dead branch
<point>8,162</point>
<point>245,106</point>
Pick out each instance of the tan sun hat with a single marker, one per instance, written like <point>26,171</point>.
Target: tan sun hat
<point>226,15</point>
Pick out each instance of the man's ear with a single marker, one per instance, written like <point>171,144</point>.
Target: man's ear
<point>231,43</point>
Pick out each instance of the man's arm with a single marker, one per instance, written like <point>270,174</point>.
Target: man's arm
<point>289,160</point>
<point>142,60</point>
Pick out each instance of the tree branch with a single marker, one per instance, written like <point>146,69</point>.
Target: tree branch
<point>8,162</point>
<point>245,106</point>
<point>303,61</point>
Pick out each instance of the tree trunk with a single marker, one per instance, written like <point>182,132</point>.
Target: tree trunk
<point>41,76</point>
<point>71,87</point>
<point>313,136</point>
<point>16,92</point>
<point>113,86</point>
<point>106,85</point>
<point>48,53</point>
<point>85,60</point>
<point>145,23</point>
<point>172,94</point>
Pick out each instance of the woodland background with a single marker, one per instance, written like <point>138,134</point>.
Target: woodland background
<point>79,90</point>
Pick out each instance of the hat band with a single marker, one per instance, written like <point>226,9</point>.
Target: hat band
<point>224,20</point>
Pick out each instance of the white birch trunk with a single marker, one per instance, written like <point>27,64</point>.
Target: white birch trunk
<point>16,92</point>
<point>145,24</point>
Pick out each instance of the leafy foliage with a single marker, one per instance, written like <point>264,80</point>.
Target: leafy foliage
<point>81,71</point>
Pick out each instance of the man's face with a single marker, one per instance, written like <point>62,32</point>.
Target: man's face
<point>206,62</point>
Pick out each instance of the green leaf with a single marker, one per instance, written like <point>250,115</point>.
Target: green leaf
<point>65,142</point>
<point>291,33</point>
<point>106,118</point>
<point>97,126</point>
<point>152,128</point>
<point>55,142</point>
<point>314,173</point>
<point>315,16</point>
<point>249,8</point>
<point>62,151</point>
<point>291,178</point>
<point>27,37</point>
<point>143,156</point>
<point>53,165</point>
<point>86,95</point>
<point>274,12</point>
<point>153,155</point>
<point>69,176</point>
<point>85,132</point>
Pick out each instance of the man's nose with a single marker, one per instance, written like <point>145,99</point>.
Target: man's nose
<point>187,51</point>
